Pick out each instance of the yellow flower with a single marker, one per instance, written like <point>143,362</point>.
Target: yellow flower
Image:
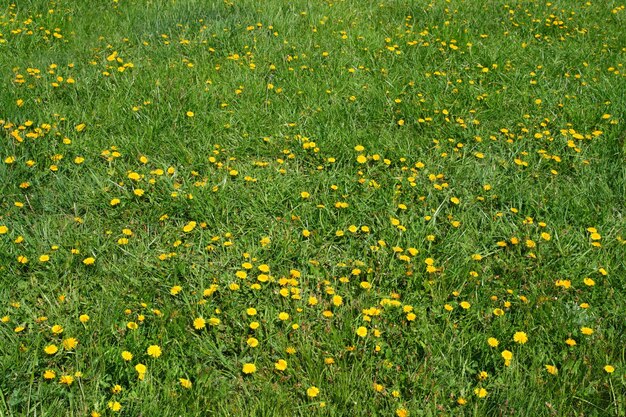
<point>493,342</point>
<point>3,230</point>
<point>89,261</point>
<point>304,194</point>
<point>312,392</point>
<point>609,369</point>
<point>552,369</point>
<point>465,305</point>
<point>402,412</point>
<point>56,329</point>
<point>70,343</point>
<point>361,331</point>
<point>199,323</point>
<point>570,342</point>
<point>280,365</point>
<point>283,316</point>
<point>185,383</point>
<point>114,406</point>
<point>586,330</point>
<point>66,379</point>
<point>480,392</point>
<point>520,337</point>
<point>251,311</point>
<point>361,159</point>
<point>49,374</point>
<point>176,289</point>
<point>51,349</point>
<point>189,226</point>
<point>252,342</point>
<point>115,201</point>
<point>127,356</point>
<point>190,114</point>
<point>249,368</point>
<point>44,258</point>
<point>154,351</point>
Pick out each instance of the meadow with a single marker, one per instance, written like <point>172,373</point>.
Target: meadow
<point>312,208</point>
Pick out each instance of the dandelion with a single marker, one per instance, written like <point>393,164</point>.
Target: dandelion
<point>89,261</point>
<point>127,356</point>
<point>493,342</point>
<point>587,331</point>
<point>402,412</point>
<point>185,383</point>
<point>114,406</point>
<point>51,349</point>
<point>507,356</point>
<point>609,369</point>
<point>66,380</point>
<point>312,392</point>
<point>280,365</point>
<point>480,392</point>
<point>520,337</point>
<point>199,323</point>
<point>553,370</point>
<point>70,343</point>
<point>49,374</point>
<point>249,368</point>
<point>361,331</point>
<point>252,342</point>
<point>154,351</point>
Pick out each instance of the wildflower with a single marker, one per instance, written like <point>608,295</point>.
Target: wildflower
<point>586,331</point>
<point>402,412</point>
<point>570,342</point>
<point>56,329</point>
<point>280,365</point>
<point>493,342</point>
<point>249,368</point>
<point>609,369</point>
<point>185,383</point>
<point>49,374</point>
<point>66,380</point>
<point>312,392</point>
<point>465,305</point>
<point>189,226</point>
<point>89,261</point>
<point>552,369</point>
<point>361,331</point>
<point>507,356</point>
<point>520,337</point>
<point>127,356</point>
<point>283,316</point>
<point>252,342</point>
<point>480,392</point>
<point>154,351</point>
<point>199,323</point>
<point>70,343</point>
<point>51,349</point>
<point>114,406</point>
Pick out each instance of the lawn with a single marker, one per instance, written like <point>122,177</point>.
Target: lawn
<point>312,208</point>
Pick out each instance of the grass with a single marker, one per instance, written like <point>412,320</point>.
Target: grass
<point>405,180</point>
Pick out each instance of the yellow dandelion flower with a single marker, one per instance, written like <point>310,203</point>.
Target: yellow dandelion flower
<point>249,368</point>
<point>154,351</point>
<point>312,392</point>
<point>280,365</point>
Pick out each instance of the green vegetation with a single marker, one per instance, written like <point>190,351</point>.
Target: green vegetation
<point>334,208</point>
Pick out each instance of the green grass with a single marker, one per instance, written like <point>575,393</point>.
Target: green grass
<point>450,129</point>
